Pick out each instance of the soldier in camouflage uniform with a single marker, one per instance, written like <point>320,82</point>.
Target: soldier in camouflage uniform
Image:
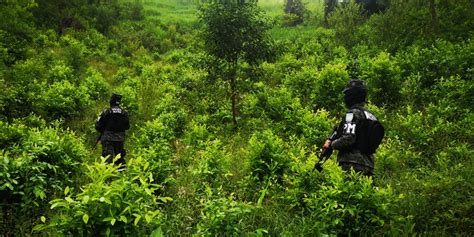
<point>345,140</point>
<point>112,124</point>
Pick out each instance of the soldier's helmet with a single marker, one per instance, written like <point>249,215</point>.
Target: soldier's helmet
<point>115,99</point>
<point>355,92</point>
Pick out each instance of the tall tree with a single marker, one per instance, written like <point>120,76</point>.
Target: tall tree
<point>297,9</point>
<point>234,31</point>
<point>434,17</point>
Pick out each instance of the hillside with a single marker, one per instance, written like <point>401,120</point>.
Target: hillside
<point>224,136</point>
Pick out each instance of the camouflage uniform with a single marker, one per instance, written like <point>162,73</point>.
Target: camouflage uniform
<point>346,142</point>
<point>112,124</point>
<point>347,137</point>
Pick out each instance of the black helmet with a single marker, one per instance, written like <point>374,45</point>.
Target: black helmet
<point>115,99</point>
<point>355,93</point>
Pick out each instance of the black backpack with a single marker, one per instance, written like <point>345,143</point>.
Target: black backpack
<point>370,134</point>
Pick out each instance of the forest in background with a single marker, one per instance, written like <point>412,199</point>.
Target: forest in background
<point>223,138</point>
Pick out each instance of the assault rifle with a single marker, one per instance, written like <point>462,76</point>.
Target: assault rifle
<point>324,154</point>
<point>97,141</point>
<point>323,157</point>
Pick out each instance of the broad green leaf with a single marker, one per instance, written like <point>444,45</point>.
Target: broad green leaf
<point>137,220</point>
<point>85,218</point>
<point>85,199</point>
<point>157,233</point>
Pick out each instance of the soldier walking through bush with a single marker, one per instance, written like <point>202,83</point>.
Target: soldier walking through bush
<point>112,124</point>
<point>358,134</point>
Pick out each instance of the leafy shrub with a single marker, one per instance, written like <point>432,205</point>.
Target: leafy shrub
<point>314,127</point>
<point>278,103</point>
<point>329,85</point>
<point>24,84</point>
<point>132,10</point>
<point>97,87</point>
<point>73,52</point>
<point>412,93</point>
<point>129,99</point>
<point>154,145</point>
<point>383,77</point>
<point>37,166</point>
<point>412,127</point>
<point>60,72</point>
<point>211,164</point>
<point>295,12</point>
<point>349,204</point>
<point>64,100</point>
<point>169,110</point>
<point>11,134</point>
<point>111,203</point>
<point>222,214</point>
<point>197,134</point>
<point>437,198</point>
<point>267,157</point>
<point>96,44</point>
<point>393,156</point>
<point>302,83</point>
<point>442,60</point>
<point>345,20</point>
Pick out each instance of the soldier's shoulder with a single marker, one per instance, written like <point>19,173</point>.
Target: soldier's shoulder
<point>349,116</point>
<point>369,115</point>
<point>104,111</point>
<point>124,111</point>
<point>356,113</point>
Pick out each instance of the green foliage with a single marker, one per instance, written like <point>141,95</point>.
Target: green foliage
<point>295,12</point>
<point>60,72</point>
<point>111,203</point>
<point>412,22</point>
<point>211,165</point>
<point>222,214</point>
<point>328,89</point>
<point>266,156</point>
<point>350,204</point>
<point>442,59</point>
<point>64,100</point>
<point>383,77</point>
<point>197,134</point>
<point>35,166</point>
<point>432,190</point>
<point>302,83</point>
<point>97,86</point>
<point>175,69</point>
<point>16,30</point>
<point>169,110</point>
<point>345,20</point>
<point>235,30</point>
<point>154,145</point>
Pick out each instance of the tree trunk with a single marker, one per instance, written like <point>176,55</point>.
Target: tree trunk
<point>289,6</point>
<point>434,18</point>
<point>233,91</point>
<point>329,6</point>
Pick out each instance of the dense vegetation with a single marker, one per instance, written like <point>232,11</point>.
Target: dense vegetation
<point>224,135</point>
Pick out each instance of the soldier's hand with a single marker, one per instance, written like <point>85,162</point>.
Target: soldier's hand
<point>327,144</point>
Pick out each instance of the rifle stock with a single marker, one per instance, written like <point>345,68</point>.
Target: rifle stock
<point>97,141</point>
<point>325,155</point>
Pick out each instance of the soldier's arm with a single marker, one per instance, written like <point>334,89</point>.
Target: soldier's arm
<point>127,121</point>
<point>100,122</point>
<point>348,137</point>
